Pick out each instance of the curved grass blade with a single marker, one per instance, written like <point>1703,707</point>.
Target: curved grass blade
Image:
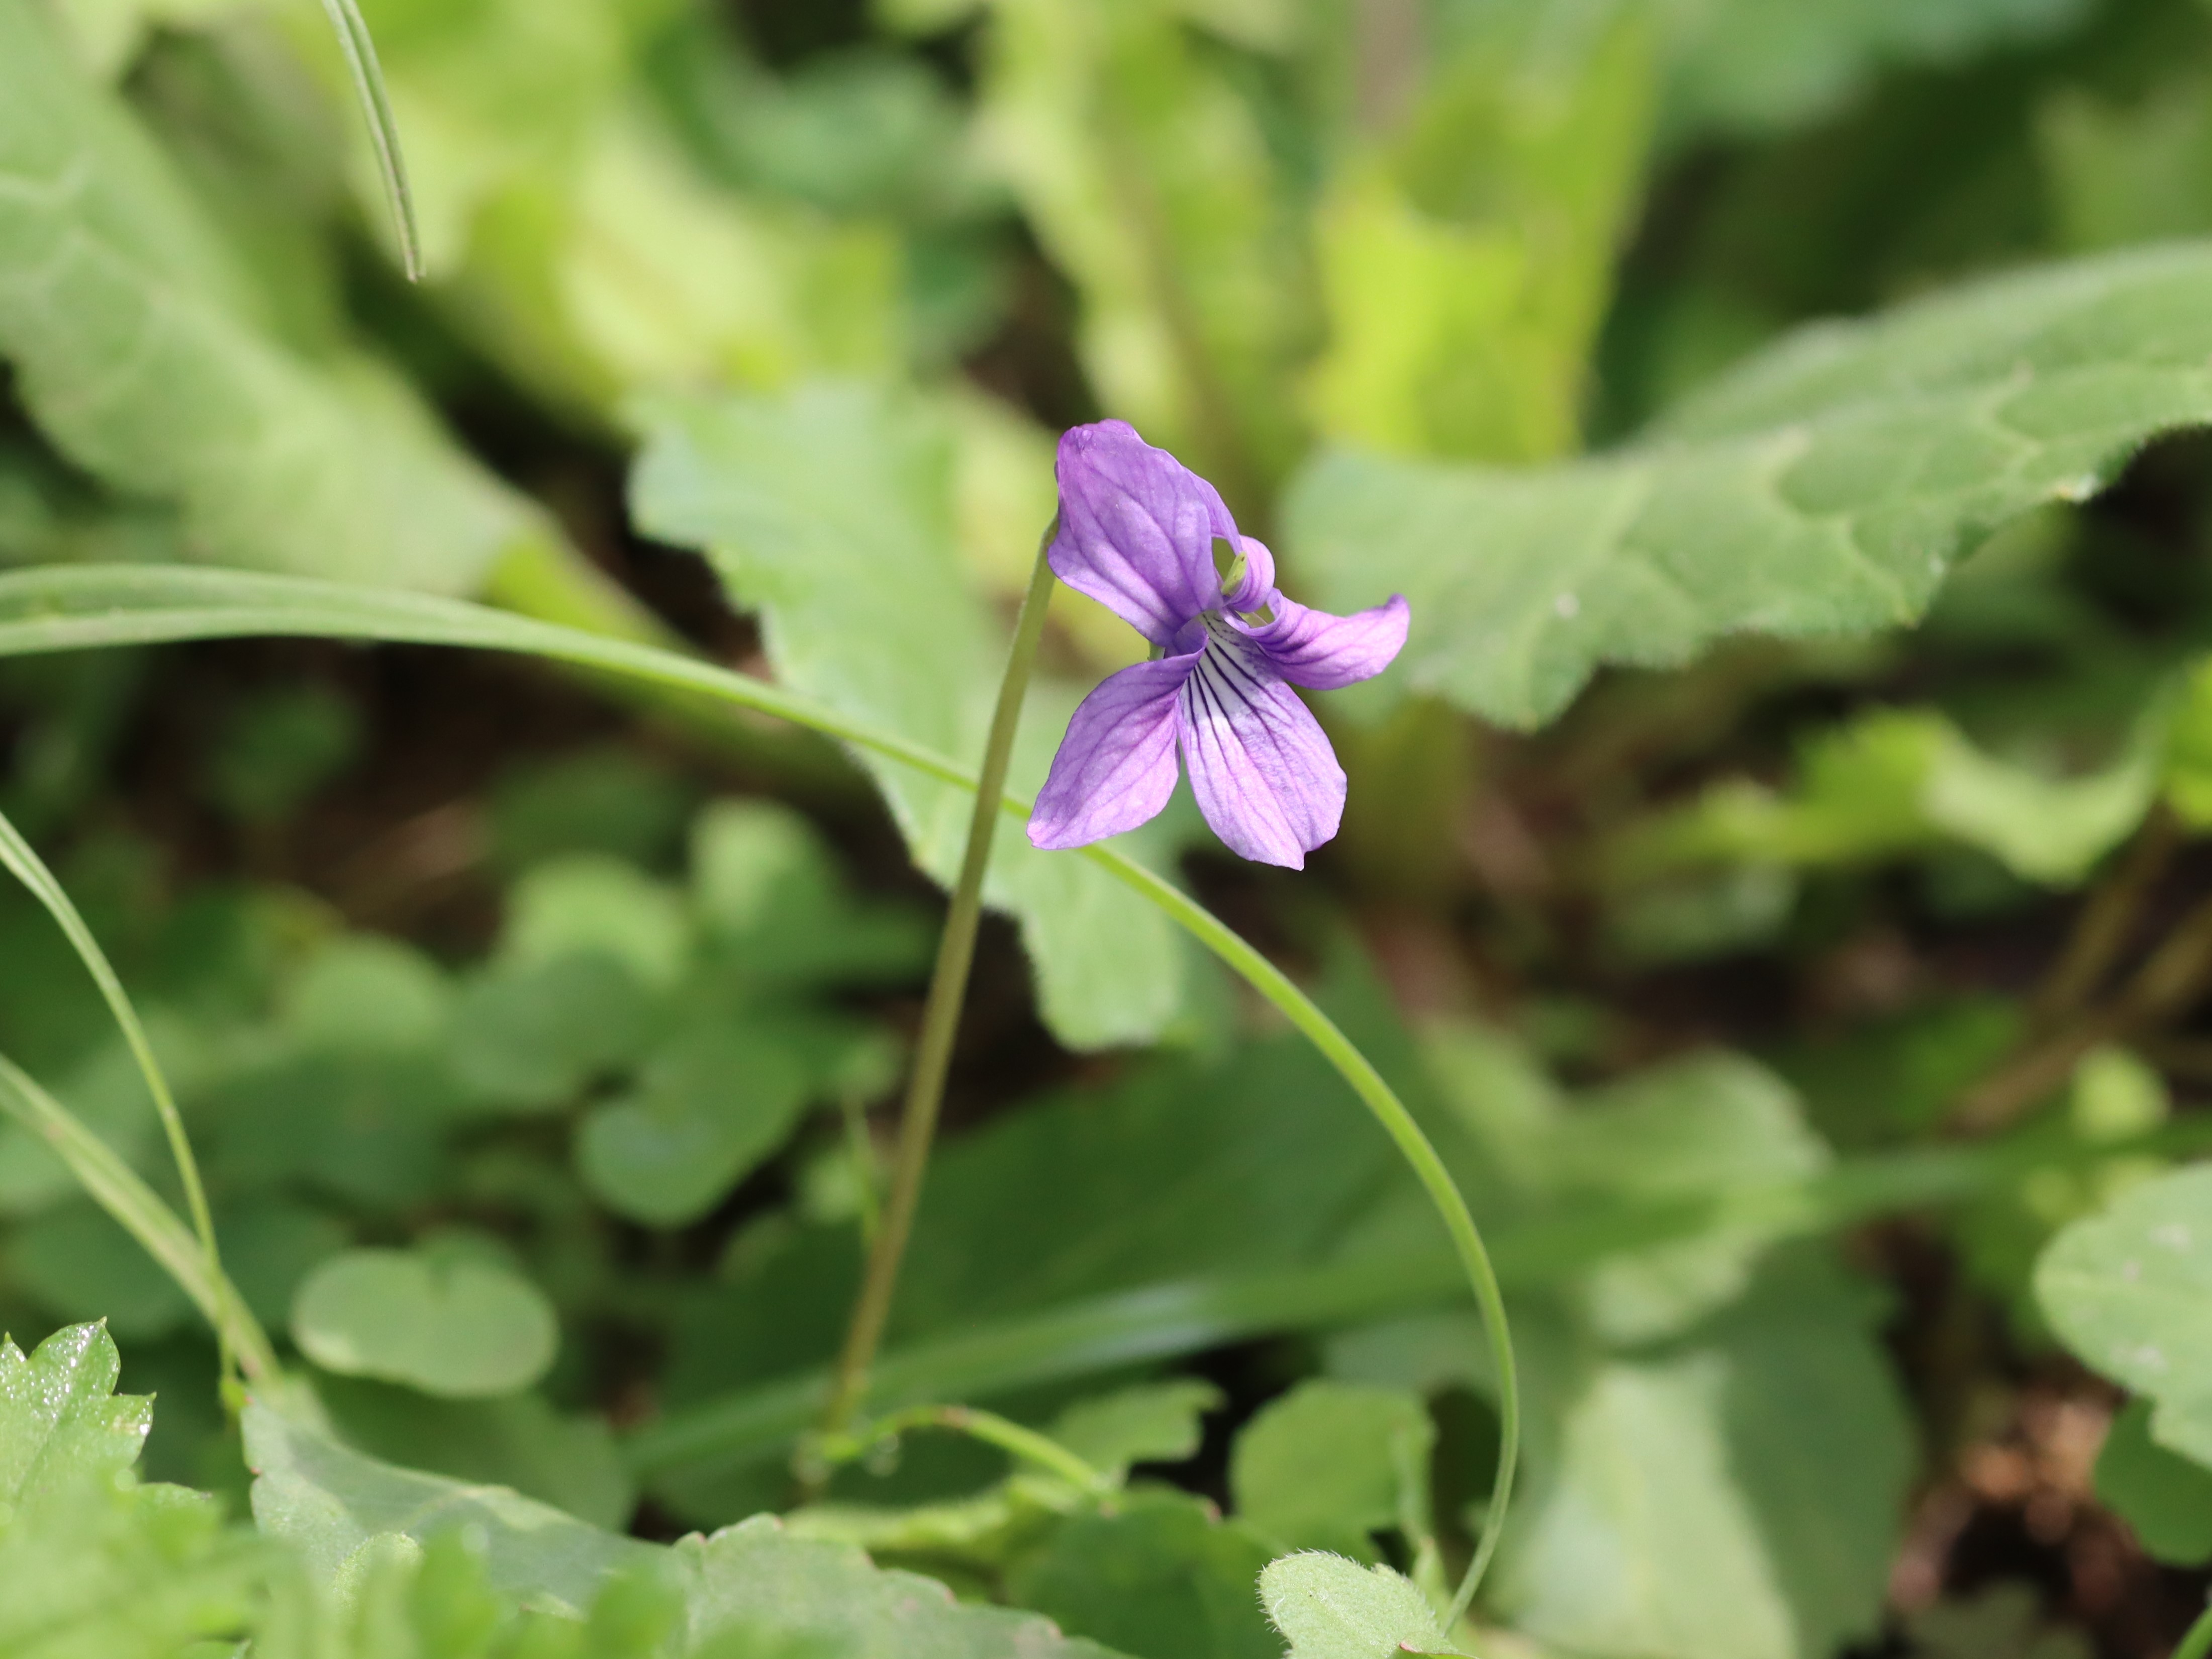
<point>383,129</point>
<point>119,1190</point>
<point>23,860</point>
<point>80,607</point>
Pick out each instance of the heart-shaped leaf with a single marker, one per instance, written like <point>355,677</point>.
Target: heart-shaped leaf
<point>447,1324</point>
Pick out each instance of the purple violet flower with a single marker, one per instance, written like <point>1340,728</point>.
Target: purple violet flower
<point>1136,530</point>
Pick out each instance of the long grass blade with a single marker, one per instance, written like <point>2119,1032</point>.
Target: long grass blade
<point>383,128</point>
<point>23,860</point>
<point>118,1188</point>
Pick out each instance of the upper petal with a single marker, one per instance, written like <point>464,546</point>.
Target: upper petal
<point>1117,766</point>
<point>1313,649</point>
<point>1259,764</point>
<point>1137,529</point>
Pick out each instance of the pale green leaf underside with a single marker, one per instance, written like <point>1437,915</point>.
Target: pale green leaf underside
<point>791,1594</point>
<point>1826,487</point>
<point>138,349</point>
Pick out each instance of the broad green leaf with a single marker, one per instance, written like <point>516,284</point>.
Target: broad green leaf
<point>2164,1496</point>
<point>1466,265</point>
<point>753,1581</point>
<point>516,1440</point>
<point>710,1105</point>
<point>362,992</point>
<point>1149,1423</point>
<point>1734,1495</point>
<point>60,1417</point>
<point>452,1325</point>
<point>2128,1290</point>
<point>143,354</point>
<point>1826,487</point>
<point>1328,1607</point>
<point>328,1501</point>
<point>1331,1462</point>
<point>1158,1577</point>
<point>828,512</point>
<point>1149,179</point>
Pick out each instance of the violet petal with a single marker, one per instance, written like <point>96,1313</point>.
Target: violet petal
<point>1137,529</point>
<point>1117,766</point>
<point>1259,764</point>
<point>1259,583</point>
<point>1313,649</point>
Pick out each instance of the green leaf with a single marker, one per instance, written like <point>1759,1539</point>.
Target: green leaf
<point>1149,179</point>
<point>2126,1290</point>
<point>710,1105</point>
<point>1734,1495</point>
<point>1901,781</point>
<point>1466,265</point>
<point>1331,1462</point>
<point>2165,1497</point>
<point>1158,1577</point>
<point>517,1440</point>
<point>531,1039</point>
<point>586,904</point>
<point>449,1325</point>
<point>1150,1423</point>
<point>749,1582</point>
<point>143,354</point>
<point>60,1417</point>
<point>827,511</point>
<point>1328,1607</point>
<point>328,1501</point>
<point>1826,487</point>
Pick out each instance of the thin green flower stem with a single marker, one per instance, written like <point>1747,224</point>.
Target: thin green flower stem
<point>941,1018</point>
<point>23,860</point>
<point>368,73</point>
<point>989,1427</point>
<point>1413,1145</point>
<point>2198,1642</point>
<point>118,1188</point>
<point>84,606</point>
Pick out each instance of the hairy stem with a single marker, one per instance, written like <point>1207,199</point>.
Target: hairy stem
<point>941,1018</point>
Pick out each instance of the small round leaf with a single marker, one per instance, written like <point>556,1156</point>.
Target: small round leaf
<point>455,1326</point>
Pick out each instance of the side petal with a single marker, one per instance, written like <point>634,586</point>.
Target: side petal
<point>1313,649</point>
<point>1137,529</point>
<point>1117,766</point>
<point>1259,763</point>
<point>1258,585</point>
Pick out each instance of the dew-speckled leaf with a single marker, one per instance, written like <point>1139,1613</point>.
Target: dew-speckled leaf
<point>1328,1607</point>
<point>827,511</point>
<point>60,1417</point>
<point>2130,1291</point>
<point>450,1325</point>
<point>141,351</point>
<point>1826,487</point>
